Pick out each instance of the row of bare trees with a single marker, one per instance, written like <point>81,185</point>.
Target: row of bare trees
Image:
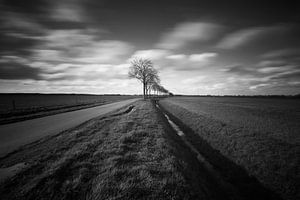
<point>144,71</point>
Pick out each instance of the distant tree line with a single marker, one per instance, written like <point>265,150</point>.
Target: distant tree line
<point>144,71</point>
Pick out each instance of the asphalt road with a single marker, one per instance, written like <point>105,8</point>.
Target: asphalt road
<point>17,134</point>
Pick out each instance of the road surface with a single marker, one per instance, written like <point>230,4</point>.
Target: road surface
<point>17,134</point>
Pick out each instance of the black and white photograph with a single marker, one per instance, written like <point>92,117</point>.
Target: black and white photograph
<point>149,99</point>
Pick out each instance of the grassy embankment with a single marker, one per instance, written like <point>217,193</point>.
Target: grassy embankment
<point>245,136</point>
<point>127,154</point>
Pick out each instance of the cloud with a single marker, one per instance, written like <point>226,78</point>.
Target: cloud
<point>193,80</point>
<point>238,38</point>
<point>271,63</point>
<point>164,59</point>
<point>55,44</point>
<point>103,51</point>
<point>287,75</point>
<point>17,34</point>
<point>265,76</point>
<point>282,53</point>
<point>67,11</point>
<point>263,68</point>
<point>239,69</point>
<point>177,57</point>
<point>188,32</point>
<point>193,57</point>
<point>268,70</point>
<point>84,46</point>
<point>203,57</point>
<point>182,62</point>
<point>294,83</point>
<point>19,22</point>
<point>18,71</point>
<point>85,72</point>
<point>153,54</point>
<point>254,87</point>
<point>244,36</point>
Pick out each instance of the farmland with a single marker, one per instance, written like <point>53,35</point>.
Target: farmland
<point>16,107</point>
<point>230,148</point>
<point>261,135</point>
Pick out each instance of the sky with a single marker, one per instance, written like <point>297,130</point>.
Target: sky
<point>199,46</point>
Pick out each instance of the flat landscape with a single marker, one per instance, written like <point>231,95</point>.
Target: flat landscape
<point>18,107</point>
<point>171,148</point>
<point>259,134</point>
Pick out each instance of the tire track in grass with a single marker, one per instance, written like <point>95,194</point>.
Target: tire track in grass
<point>235,186</point>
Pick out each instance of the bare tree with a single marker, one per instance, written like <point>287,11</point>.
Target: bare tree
<point>143,70</point>
<point>153,79</point>
<point>155,87</point>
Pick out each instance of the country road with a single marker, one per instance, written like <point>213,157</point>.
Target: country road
<point>17,134</point>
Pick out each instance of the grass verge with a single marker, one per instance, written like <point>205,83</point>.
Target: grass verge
<point>274,163</point>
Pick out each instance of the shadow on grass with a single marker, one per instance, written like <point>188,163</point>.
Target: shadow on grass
<point>245,186</point>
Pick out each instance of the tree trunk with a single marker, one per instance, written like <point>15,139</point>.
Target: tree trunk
<point>144,90</point>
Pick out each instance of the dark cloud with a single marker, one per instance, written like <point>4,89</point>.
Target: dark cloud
<point>264,67</point>
<point>29,7</point>
<point>287,53</point>
<point>42,12</point>
<point>240,70</point>
<point>292,75</point>
<point>18,35</point>
<point>18,71</point>
<point>13,45</point>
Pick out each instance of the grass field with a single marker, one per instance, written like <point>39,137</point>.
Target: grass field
<point>15,107</point>
<point>261,135</point>
<point>135,153</point>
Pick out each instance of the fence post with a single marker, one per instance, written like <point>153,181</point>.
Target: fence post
<point>14,104</point>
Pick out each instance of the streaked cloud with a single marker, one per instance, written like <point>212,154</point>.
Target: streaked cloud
<point>177,57</point>
<point>268,70</point>
<point>153,54</point>
<point>83,46</point>
<point>241,37</point>
<point>203,57</point>
<point>254,87</point>
<point>17,71</point>
<point>164,59</point>
<point>68,10</point>
<point>270,63</point>
<point>188,32</point>
<point>282,53</point>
